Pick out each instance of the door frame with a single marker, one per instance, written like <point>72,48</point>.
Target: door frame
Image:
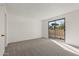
<point>64,27</point>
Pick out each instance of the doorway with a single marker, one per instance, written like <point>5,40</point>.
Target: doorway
<point>56,29</point>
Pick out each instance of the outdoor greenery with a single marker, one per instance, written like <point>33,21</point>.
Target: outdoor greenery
<point>56,26</point>
<point>61,26</point>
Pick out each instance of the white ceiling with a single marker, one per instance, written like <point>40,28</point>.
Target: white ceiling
<point>41,11</point>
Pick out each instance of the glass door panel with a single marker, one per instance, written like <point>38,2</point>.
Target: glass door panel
<point>59,29</point>
<point>51,29</point>
<point>56,29</point>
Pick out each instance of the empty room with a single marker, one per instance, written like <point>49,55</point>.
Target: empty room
<point>39,29</point>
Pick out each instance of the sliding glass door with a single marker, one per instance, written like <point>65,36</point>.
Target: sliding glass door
<point>51,30</point>
<point>56,29</point>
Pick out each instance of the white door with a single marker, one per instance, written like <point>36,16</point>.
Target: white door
<point>2,31</point>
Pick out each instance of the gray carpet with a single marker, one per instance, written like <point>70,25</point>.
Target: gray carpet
<point>36,47</point>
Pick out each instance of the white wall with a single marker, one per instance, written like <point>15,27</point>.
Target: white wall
<point>20,26</point>
<point>72,29</point>
<point>24,22</point>
<point>2,30</point>
<point>45,28</point>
